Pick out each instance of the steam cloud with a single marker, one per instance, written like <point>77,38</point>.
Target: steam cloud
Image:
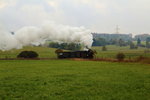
<point>48,31</point>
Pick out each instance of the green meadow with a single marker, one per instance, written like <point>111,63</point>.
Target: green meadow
<point>129,53</point>
<point>74,80</point>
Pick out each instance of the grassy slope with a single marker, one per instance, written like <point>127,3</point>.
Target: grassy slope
<point>73,80</point>
<point>42,51</point>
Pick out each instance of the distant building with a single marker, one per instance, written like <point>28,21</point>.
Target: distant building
<point>142,37</point>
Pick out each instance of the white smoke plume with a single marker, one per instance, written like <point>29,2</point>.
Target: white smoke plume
<point>48,31</point>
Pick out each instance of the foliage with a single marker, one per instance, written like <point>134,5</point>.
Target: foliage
<point>54,45</point>
<point>133,46</point>
<point>120,56</point>
<point>148,39</point>
<point>66,46</point>
<point>140,58</point>
<point>103,42</point>
<point>138,42</point>
<point>113,42</point>
<point>27,54</point>
<point>142,37</point>
<point>99,42</point>
<point>143,59</point>
<point>148,42</point>
<point>121,43</point>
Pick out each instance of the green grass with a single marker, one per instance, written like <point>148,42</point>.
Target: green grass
<point>142,42</point>
<point>113,50</point>
<point>73,80</point>
<point>43,52</point>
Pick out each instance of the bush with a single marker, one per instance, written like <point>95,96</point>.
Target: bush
<point>133,46</point>
<point>143,59</point>
<point>104,48</point>
<point>120,56</point>
<point>28,54</point>
<point>140,58</point>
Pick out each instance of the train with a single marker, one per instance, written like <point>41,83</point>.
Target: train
<point>89,54</point>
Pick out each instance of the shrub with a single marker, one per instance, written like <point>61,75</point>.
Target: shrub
<point>140,58</point>
<point>28,54</point>
<point>143,59</point>
<point>120,56</point>
<point>104,48</point>
<point>133,46</point>
<point>147,61</point>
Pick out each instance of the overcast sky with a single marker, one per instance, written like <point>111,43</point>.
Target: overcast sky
<point>132,16</point>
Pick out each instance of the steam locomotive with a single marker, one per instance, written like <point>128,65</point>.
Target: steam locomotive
<point>75,54</point>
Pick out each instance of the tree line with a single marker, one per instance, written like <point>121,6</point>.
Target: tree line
<point>65,46</point>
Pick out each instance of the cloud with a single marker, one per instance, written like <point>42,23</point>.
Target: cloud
<point>98,15</point>
<point>3,4</point>
<point>7,3</point>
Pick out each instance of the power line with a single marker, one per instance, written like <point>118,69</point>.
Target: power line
<point>117,29</point>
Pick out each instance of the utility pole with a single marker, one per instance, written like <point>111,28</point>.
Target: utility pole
<point>117,29</point>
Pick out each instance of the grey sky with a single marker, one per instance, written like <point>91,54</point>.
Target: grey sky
<point>98,15</point>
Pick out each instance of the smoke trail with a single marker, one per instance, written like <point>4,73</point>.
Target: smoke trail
<point>48,31</point>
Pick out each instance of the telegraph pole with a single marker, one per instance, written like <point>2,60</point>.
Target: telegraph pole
<point>117,29</point>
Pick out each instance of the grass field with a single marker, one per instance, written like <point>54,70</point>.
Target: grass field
<point>73,80</point>
<point>113,50</point>
<point>45,52</point>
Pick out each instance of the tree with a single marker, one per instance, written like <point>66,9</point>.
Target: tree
<point>54,45</point>
<point>113,42</point>
<point>121,43</point>
<point>27,54</point>
<point>138,42</point>
<point>66,46</point>
<point>132,46</point>
<point>148,42</point>
<point>99,42</point>
<point>120,56</point>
